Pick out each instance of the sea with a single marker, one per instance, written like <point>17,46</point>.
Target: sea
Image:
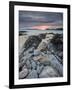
<point>36,32</point>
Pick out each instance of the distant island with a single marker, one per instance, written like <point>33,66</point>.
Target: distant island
<point>55,29</point>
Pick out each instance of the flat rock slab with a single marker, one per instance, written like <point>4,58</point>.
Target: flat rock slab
<point>48,71</point>
<point>33,74</point>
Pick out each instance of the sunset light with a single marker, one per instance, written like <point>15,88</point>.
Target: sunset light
<point>41,27</point>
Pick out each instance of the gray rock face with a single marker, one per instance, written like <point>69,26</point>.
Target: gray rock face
<point>32,74</point>
<point>28,64</point>
<point>37,52</point>
<point>33,64</point>
<point>48,71</point>
<point>31,50</point>
<point>32,41</point>
<point>22,63</point>
<point>57,66</point>
<point>39,69</point>
<point>23,73</point>
<point>28,55</point>
<point>40,58</point>
<point>42,45</point>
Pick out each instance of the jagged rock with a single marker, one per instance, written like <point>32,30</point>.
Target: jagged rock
<point>36,58</point>
<point>32,74</point>
<point>37,52</point>
<point>21,63</point>
<point>28,55</point>
<point>48,52</point>
<point>38,63</point>
<point>43,45</point>
<point>56,64</point>
<point>61,55</point>
<point>48,71</point>
<point>33,64</point>
<point>23,73</point>
<point>41,57</point>
<point>31,50</point>
<point>28,64</point>
<point>32,41</point>
<point>21,53</point>
<point>24,67</point>
<point>42,36</point>
<point>39,69</point>
<point>49,36</point>
<point>29,70</point>
<point>57,41</point>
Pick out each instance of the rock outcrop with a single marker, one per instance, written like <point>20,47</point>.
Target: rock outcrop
<point>42,56</point>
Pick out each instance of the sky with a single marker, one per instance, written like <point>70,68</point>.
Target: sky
<point>40,20</point>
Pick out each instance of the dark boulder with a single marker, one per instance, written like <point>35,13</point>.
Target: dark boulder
<point>57,41</point>
<point>33,41</point>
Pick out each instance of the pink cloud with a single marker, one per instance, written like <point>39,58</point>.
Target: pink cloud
<point>41,27</point>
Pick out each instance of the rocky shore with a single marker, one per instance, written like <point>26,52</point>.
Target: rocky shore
<point>41,56</point>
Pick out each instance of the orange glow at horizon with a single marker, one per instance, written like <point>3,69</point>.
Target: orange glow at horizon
<point>41,27</point>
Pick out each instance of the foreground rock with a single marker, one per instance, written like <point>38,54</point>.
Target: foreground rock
<point>23,73</point>
<point>48,71</point>
<point>42,57</point>
<point>33,74</point>
<point>33,41</point>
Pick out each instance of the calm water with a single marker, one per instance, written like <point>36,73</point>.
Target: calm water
<point>36,32</point>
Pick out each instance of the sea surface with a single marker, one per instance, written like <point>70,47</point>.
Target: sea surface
<point>36,32</point>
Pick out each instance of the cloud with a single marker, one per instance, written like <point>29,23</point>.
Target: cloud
<point>33,18</point>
